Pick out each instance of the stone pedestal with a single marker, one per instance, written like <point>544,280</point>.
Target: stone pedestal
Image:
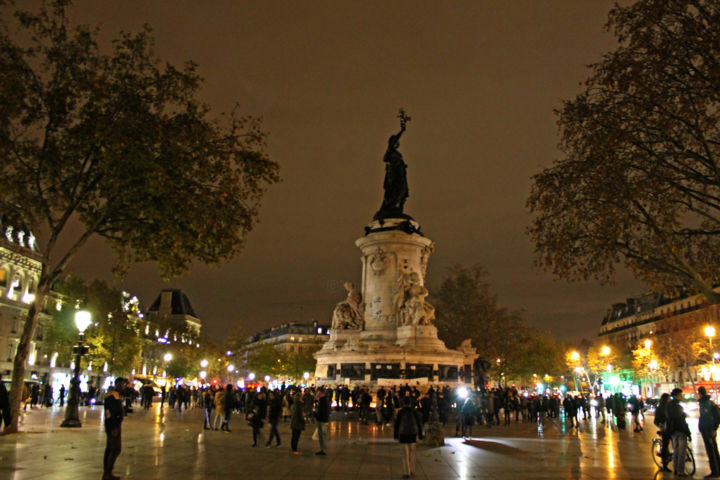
<point>387,255</point>
<point>419,338</point>
<point>385,349</point>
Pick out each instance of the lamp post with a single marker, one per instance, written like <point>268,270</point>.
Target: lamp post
<point>72,419</point>
<point>710,333</point>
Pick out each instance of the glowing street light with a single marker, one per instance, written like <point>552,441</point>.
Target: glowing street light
<point>306,376</point>
<point>203,363</point>
<point>231,368</point>
<point>203,374</point>
<point>575,356</point>
<point>251,376</point>
<point>167,357</point>
<point>267,378</point>
<point>605,351</point>
<point>648,344</point>
<point>83,319</point>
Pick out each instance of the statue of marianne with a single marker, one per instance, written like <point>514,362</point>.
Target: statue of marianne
<point>395,185</point>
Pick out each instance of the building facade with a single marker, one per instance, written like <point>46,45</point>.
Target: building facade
<point>20,268</point>
<point>292,337</point>
<point>654,320</point>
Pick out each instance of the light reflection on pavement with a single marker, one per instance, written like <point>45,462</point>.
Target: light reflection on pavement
<point>172,445</point>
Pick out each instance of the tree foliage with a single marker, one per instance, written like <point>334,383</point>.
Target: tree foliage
<point>113,337</point>
<point>466,307</point>
<point>117,145</point>
<point>639,181</point>
<point>267,359</point>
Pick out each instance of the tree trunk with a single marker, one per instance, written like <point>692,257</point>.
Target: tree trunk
<point>692,381</point>
<point>23,351</point>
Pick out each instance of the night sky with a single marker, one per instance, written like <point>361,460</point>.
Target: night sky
<point>480,80</point>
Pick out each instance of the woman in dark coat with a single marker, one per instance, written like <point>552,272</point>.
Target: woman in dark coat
<point>408,428</point>
<point>297,422</point>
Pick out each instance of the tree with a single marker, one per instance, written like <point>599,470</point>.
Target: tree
<point>639,181</point>
<point>117,145</point>
<point>266,359</point>
<point>112,337</point>
<point>537,353</point>
<point>466,307</point>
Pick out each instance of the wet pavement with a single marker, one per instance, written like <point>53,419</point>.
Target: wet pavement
<point>168,445</point>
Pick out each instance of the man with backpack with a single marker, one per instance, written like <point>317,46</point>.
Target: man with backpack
<point>708,425</point>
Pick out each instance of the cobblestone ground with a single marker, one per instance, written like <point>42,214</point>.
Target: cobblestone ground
<point>171,445</point>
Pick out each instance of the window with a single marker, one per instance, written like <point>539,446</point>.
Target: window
<point>3,278</point>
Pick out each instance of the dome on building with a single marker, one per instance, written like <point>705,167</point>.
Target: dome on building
<point>179,304</point>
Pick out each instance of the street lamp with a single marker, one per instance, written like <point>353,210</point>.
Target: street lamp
<point>605,351</point>
<point>203,363</point>
<point>83,320</point>
<point>306,376</point>
<point>575,356</point>
<point>231,368</point>
<point>710,333</point>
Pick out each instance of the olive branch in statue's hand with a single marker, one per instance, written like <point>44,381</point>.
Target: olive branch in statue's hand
<point>404,118</point>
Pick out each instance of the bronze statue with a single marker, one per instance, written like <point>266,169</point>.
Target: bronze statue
<point>395,185</point>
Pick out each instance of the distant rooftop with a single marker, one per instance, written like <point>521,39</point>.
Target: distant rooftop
<point>16,232</point>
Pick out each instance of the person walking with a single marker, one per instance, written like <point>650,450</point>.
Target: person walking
<point>114,414</point>
<point>408,427</point>
<point>322,416</point>
<point>679,431</point>
<point>708,425</point>
<point>297,422</point>
<point>208,402</point>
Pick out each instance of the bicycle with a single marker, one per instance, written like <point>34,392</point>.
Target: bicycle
<point>656,450</point>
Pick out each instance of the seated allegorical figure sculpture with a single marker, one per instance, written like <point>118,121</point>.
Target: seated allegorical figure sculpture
<point>348,314</point>
<point>415,310</point>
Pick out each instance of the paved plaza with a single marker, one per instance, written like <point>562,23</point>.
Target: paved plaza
<point>168,445</point>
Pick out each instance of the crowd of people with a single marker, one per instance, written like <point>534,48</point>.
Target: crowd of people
<point>406,407</point>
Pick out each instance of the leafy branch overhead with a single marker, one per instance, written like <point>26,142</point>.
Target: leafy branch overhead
<point>638,184</point>
<point>120,142</point>
<point>117,145</point>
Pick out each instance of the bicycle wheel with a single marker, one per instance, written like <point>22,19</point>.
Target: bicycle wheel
<point>689,462</point>
<point>655,451</point>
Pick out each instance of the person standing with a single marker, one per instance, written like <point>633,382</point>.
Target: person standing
<point>679,431</point>
<point>322,415</point>
<point>208,404</point>
<point>708,425</point>
<point>257,416</point>
<point>4,403</point>
<point>274,411</point>
<point>163,393</point>
<point>408,427</point>
<point>229,403</point>
<point>297,422</point>
<point>219,409</point>
<point>62,395</point>
<point>660,421</point>
<point>113,422</point>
